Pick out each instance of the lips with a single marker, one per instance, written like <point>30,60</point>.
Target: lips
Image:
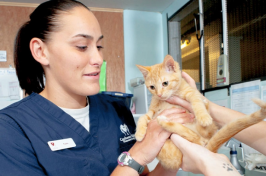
<point>92,74</point>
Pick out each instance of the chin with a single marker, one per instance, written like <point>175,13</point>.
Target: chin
<point>92,90</point>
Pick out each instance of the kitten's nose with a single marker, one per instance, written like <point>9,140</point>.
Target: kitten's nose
<point>159,95</point>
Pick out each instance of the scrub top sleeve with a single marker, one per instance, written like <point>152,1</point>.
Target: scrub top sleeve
<point>16,154</point>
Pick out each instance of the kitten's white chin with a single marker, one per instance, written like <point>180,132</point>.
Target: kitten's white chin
<point>163,98</point>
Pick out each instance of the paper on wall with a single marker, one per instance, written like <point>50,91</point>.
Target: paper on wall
<point>14,92</point>
<point>3,72</point>
<point>242,94</point>
<point>4,89</point>
<point>263,93</point>
<point>2,56</point>
<point>10,91</point>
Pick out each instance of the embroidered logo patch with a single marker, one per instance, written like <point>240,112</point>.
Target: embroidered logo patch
<point>128,136</point>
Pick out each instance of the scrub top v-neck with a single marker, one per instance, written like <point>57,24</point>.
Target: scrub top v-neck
<point>27,126</point>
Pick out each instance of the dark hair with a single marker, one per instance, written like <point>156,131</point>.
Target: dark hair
<point>43,21</point>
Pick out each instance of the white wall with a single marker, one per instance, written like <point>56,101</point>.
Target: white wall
<point>143,42</point>
<point>146,38</point>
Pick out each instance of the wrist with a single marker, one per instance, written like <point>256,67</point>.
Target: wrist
<point>203,166</point>
<point>217,164</point>
<point>125,159</point>
<point>138,156</point>
<point>206,165</point>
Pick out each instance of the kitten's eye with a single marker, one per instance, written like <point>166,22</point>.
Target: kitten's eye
<point>152,87</point>
<point>165,83</point>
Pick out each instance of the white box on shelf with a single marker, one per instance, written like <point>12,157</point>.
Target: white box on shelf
<point>137,81</point>
<point>142,99</point>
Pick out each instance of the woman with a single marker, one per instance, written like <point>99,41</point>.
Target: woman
<point>64,127</point>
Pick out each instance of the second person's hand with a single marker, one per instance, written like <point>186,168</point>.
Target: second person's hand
<point>198,159</point>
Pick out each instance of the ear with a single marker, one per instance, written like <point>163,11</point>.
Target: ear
<point>144,70</point>
<point>39,51</point>
<point>169,64</point>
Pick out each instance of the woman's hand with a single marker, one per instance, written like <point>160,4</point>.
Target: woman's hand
<point>146,150</point>
<point>189,80</point>
<point>193,154</point>
<point>181,102</point>
<point>198,159</point>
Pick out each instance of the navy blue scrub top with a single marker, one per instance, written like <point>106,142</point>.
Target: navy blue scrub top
<point>27,126</point>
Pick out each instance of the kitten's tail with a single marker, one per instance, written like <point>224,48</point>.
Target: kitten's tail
<point>231,129</point>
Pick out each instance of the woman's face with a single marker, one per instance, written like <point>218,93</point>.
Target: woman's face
<point>74,54</point>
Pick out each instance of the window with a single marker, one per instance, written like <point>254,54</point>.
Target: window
<point>246,35</point>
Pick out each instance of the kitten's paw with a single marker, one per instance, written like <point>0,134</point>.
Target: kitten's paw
<point>162,118</point>
<point>262,105</point>
<point>204,120</point>
<point>163,121</point>
<point>166,124</point>
<point>140,134</point>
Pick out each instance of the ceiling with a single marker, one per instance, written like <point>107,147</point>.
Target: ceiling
<point>141,5</point>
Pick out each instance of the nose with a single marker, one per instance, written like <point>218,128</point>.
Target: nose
<point>97,58</point>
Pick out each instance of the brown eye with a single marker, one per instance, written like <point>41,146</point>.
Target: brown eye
<point>152,87</point>
<point>165,83</point>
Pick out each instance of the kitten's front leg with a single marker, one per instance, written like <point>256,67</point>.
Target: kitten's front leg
<point>200,108</point>
<point>144,120</point>
<point>142,125</point>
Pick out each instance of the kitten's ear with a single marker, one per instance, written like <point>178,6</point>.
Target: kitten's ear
<point>169,64</point>
<point>144,70</point>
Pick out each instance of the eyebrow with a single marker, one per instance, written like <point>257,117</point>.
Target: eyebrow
<point>88,36</point>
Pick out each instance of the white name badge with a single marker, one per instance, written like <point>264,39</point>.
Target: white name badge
<point>61,144</point>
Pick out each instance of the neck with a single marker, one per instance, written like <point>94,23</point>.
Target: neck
<point>63,99</point>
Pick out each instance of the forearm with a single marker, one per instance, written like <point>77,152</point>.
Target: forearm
<point>223,115</point>
<point>254,136</point>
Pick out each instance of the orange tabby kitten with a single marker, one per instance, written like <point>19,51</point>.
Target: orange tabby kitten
<point>163,81</point>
